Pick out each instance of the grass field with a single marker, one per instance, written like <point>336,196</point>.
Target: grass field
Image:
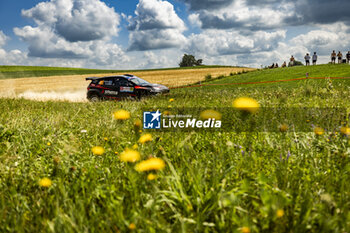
<point>212,181</point>
<point>76,84</point>
<point>11,72</point>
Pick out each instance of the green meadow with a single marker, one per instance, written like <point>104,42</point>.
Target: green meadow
<point>213,181</point>
<point>10,72</point>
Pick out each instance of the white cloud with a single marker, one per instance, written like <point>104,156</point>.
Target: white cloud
<point>73,32</point>
<point>9,58</point>
<point>219,42</point>
<point>76,20</point>
<point>155,39</point>
<point>239,14</point>
<point>325,39</point>
<point>268,14</point>
<point>156,26</point>
<point>43,42</point>
<point>194,20</point>
<point>3,39</point>
<point>207,4</point>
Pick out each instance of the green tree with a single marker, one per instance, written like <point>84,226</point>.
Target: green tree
<point>189,60</point>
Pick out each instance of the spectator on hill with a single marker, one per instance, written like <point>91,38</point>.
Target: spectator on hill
<point>348,57</point>
<point>333,56</point>
<point>291,62</point>
<point>314,58</point>
<point>272,66</point>
<point>340,57</point>
<point>284,64</point>
<point>276,65</point>
<point>307,59</point>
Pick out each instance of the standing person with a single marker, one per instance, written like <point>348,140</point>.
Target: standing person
<point>348,57</point>
<point>314,58</point>
<point>291,62</point>
<point>340,57</point>
<point>333,56</point>
<point>307,59</point>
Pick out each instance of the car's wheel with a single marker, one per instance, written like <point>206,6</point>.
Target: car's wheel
<point>94,98</point>
<point>140,95</point>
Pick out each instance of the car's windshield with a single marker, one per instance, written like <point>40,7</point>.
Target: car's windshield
<point>138,81</point>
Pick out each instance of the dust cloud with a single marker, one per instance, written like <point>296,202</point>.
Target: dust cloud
<point>77,96</point>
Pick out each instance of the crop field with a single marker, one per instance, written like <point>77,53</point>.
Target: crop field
<point>73,87</point>
<point>90,167</point>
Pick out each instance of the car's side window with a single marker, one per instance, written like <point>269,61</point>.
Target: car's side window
<point>123,83</point>
<point>116,82</point>
<point>108,82</point>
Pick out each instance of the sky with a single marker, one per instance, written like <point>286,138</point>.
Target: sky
<point>141,34</point>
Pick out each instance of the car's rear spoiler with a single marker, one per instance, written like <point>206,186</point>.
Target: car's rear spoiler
<point>92,78</point>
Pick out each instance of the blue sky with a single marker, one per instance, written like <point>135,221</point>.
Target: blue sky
<point>137,34</point>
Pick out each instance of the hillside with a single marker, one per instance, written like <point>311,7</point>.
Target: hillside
<point>288,73</point>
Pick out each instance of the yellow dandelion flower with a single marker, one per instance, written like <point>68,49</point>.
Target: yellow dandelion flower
<point>345,130</point>
<point>210,114</point>
<point>135,147</point>
<point>169,106</point>
<point>280,213</point>
<point>151,176</point>
<point>45,182</point>
<point>121,115</point>
<point>140,131</point>
<point>283,128</point>
<point>129,155</point>
<point>171,100</point>
<point>245,230</point>
<point>145,138</point>
<point>246,104</point>
<point>166,113</point>
<point>150,164</point>
<point>98,150</point>
<point>49,144</point>
<point>137,123</point>
<point>132,226</point>
<point>106,139</point>
<point>319,131</point>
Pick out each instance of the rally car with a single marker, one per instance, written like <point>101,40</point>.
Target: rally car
<point>121,86</point>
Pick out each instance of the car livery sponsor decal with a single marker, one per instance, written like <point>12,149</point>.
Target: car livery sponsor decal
<point>126,89</point>
<point>108,92</point>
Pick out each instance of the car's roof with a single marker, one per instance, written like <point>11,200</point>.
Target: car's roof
<point>126,76</point>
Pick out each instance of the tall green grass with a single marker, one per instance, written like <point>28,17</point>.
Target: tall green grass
<point>213,181</point>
